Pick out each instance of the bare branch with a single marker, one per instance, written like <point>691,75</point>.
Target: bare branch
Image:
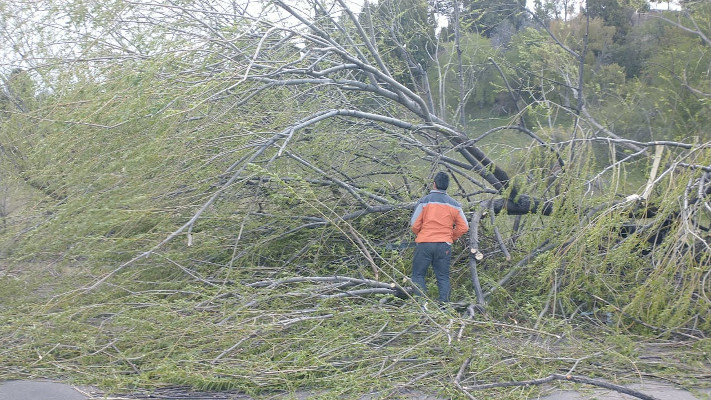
<point>568,378</point>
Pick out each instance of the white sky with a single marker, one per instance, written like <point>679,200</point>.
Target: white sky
<point>672,5</point>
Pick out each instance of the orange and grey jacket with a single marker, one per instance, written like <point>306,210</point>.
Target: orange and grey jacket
<point>438,218</point>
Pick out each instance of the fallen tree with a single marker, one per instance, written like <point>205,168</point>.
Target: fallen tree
<point>320,148</point>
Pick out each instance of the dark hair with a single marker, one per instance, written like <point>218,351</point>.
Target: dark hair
<point>441,180</point>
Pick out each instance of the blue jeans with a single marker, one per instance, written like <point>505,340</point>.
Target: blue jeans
<point>438,255</point>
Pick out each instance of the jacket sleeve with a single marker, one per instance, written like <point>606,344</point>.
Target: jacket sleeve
<point>416,220</point>
<point>461,226</point>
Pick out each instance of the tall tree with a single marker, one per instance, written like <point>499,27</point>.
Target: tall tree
<point>614,13</point>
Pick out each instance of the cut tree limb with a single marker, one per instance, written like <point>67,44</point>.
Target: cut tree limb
<point>476,255</point>
<point>568,378</point>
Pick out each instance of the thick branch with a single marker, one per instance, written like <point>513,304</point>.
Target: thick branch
<point>475,255</point>
<point>568,378</point>
<point>524,204</point>
<point>696,30</point>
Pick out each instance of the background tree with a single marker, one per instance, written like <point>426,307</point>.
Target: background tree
<point>554,9</point>
<point>482,84</point>
<point>614,13</point>
<point>492,17</point>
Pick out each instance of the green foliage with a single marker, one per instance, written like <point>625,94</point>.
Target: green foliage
<point>615,13</point>
<point>402,26</point>
<point>483,84</point>
<point>489,17</point>
<point>17,94</point>
<point>641,43</point>
<point>131,337</point>
<point>579,32</point>
<point>114,158</point>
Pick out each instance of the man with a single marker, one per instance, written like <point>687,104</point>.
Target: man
<point>437,222</point>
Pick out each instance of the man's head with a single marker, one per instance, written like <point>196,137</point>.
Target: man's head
<point>441,181</point>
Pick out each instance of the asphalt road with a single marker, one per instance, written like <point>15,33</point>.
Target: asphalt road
<point>38,390</point>
<point>45,390</point>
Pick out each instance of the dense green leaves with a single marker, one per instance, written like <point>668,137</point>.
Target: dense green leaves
<point>169,157</point>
